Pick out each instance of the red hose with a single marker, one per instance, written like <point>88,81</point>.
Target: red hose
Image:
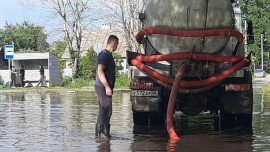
<point>178,83</point>
<point>206,33</point>
<point>195,56</point>
<point>171,104</point>
<point>191,84</point>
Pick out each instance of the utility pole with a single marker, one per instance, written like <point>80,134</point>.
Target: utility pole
<point>245,35</point>
<point>262,50</point>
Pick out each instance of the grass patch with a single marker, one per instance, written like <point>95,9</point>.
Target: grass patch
<point>122,82</point>
<point>266,89</point>
<point>66,83</point>
<point>79,83</point>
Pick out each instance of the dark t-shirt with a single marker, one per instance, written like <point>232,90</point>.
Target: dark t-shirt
<point>105,58</point>
<point>22,72</point>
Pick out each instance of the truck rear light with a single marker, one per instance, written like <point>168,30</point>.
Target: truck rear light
<point>237,87</point>
<point>142,86</point>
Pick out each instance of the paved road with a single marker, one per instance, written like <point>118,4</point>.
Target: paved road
<point>258,83</point>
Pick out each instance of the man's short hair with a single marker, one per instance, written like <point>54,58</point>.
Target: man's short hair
<point>112,38</point>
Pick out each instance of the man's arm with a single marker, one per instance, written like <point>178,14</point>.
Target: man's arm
<point>103,79</point>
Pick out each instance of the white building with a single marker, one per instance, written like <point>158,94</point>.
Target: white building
<point>98,40</point>
<point>31,62</point>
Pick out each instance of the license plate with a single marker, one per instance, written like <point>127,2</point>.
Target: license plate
<point>145,93</point>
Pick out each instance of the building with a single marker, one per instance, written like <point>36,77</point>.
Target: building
<point>31,62</point>
<point>97,40</point>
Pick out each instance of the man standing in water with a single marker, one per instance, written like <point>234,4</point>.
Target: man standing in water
<point>104,87</point>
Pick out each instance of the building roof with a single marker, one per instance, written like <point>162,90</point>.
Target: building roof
<point>94,37</point>
<point>91,38</point>
<point>66,54</point>
<point>31,56</point>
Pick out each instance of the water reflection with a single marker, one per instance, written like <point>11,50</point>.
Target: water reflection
<point>65,122</point>
<point>261,124</point>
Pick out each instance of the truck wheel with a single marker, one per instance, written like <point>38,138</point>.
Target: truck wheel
<point>157,118</point>
<point>237,107</point>
<point>245,120</point>
<point>227,120</point>
<point>140,118</point>
<point>145,118</point>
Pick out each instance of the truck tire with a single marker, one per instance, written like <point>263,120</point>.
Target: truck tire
<point>153,118</point>
<point>237,107</point>
<point>157,118</point>
<point>148,118</point>
<point>140,118</point>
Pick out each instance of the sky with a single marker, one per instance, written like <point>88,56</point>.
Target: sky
<point>12,11</point>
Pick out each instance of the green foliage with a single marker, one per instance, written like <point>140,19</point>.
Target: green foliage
<point>266,89</point>
<point>65,82</point>
<point>61,61</point>
<point>88,65</point>
<point>259,12</point>
<point>122,82</point>
<point>26,51</point>
<point>58,49</point>
<point>79,83</point>
<point>25,36</point>
<point>118,63</point>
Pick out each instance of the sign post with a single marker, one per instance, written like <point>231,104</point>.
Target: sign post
<point>9,54</point>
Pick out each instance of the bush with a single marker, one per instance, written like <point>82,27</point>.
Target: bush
<point>88,65</point>
<point>79,83</point>
<point>266,89</point>
<point>118,63</point>
<point>122,82</point>
<point>65,82</point>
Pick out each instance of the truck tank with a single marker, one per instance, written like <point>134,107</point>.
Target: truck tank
<point>193,61</point>
<point>189,15</point>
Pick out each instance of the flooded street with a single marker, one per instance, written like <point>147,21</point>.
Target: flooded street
<point>66,121</point>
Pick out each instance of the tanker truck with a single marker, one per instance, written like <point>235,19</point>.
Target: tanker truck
<point>195,49</point>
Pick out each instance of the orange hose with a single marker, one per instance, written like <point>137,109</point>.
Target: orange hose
<point>195,56</point>
<point>182,33</point>
<point>192,84</point>
<point>171,104</point>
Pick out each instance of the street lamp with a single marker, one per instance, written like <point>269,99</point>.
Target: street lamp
<point>262,51</point>
<point>262,41</point>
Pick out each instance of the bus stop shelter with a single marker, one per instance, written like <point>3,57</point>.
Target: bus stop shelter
<point>31,62</point>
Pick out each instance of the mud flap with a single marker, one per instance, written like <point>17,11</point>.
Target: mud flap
<point>237,107</point>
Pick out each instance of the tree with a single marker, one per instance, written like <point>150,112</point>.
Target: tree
<point>88,65</point>
<point>124,14</point>
<point>58,48</point>
<point>259,12</point>
<point>75,16</point>
<point>25,37</point>
<point>118,63</point>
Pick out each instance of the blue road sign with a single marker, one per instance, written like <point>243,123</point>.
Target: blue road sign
<point>9,51</point>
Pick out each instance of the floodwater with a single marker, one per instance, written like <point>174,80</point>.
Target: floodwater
<point>65,122</point>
